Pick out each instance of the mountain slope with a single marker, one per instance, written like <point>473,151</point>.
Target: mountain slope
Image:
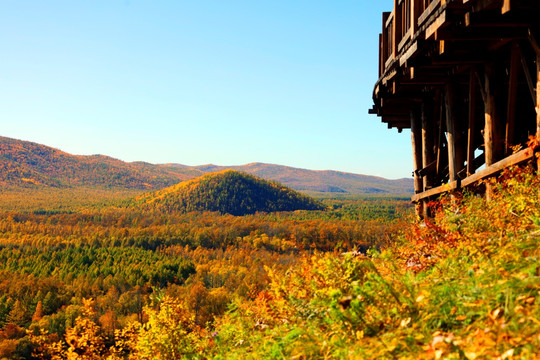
<point>23,163</point>
<point>230,192</point>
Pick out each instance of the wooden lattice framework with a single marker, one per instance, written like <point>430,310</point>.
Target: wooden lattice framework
<point>464,76</point>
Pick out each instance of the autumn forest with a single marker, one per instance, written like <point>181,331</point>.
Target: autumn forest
<point>229,265</point>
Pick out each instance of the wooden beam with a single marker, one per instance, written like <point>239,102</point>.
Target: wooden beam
<point>527,75</point>
<point>430,169</point>
<point>512,97</point>
<point>512,160</point>
<point>472,123</point>
<point>481,86</point>
<point>485,33</point>
<point>506,7</point>
<point>411,51</point>
<point>436,191</point>
<point>432,29</point>
<point>533,42</point>
<point>428,11</point>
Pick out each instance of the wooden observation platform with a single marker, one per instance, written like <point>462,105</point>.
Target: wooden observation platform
<point>464,76</point>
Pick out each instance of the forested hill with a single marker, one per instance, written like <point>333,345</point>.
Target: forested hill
<point>24,164</point>
<point>327,181</point>
<point>229,192</point>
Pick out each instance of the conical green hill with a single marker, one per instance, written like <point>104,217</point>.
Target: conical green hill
<point>230,192</point>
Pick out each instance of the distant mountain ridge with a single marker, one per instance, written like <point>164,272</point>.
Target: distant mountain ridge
<point>28,164</point>
<point>227,191</point>
<point>328,181</point>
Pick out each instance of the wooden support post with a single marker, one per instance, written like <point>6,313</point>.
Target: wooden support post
<point>538,95</point>
<point>512,97</point>
<point>472,123</point>
<point>494,130</point>
<point>537,107</point>
<point>427,145</point>
<point>536,47</point>
<point>427,140</point>
<point>441,140</point>
<point>416,140</point>
<point>453,131</point>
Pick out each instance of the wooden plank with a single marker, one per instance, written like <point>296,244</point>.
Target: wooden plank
<point>428,12</point>
<point>412,50</point>
<point>472,123</point>
<point>435,191</point>
<point>405,39</point>
<point>512,160</point>
<point>428,170</point>
<point>512,97</point>
<point>433,27</point>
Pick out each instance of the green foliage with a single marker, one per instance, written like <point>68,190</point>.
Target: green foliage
<point>127,266</point>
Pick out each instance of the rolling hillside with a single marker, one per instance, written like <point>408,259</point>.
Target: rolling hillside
<point>229,192</point>
<point>26,164</point>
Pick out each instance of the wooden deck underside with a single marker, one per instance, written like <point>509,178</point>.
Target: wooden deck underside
<point>464,76</point>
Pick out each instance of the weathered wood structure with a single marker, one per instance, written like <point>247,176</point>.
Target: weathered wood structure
<point>464,76</point>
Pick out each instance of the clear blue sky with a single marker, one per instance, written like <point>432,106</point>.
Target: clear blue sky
<point>194,82</point>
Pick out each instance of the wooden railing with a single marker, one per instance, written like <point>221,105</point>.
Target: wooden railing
<point>400,26</point>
